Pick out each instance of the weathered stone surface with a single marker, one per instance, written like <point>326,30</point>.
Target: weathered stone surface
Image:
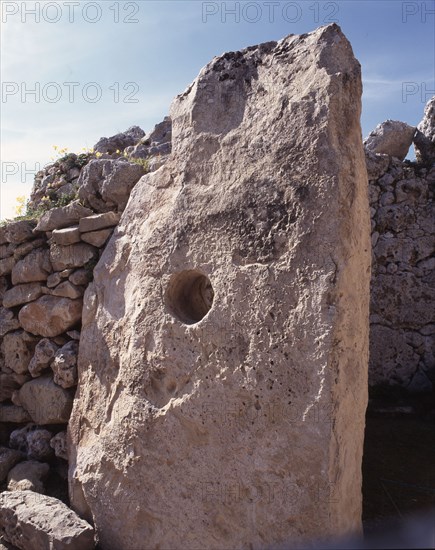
<point>106,184</point>
<point>75,255</point>
<point>13,414</point>
<point>37,522</point>
<point>8,459</point>
<point>64,365</point>
<point>402,287</point>
<point>53,280</point>
<point>64,216</point>
<point>260,390</point>
<point>391,138</point>
<point>45,401</point>
<point>119,141</point>
<point>59,444</point>
<point>18,349</point>
<point>50,316</point>
<point>18,232</point>
<point>23,249</point>
<point>67,236</point>
<point>3,287</point>
<point>34,267</point>
<point>97,238</point>
<point>28,476</point>
<point>7,265</point>
<point>424,139</point>
<point>44,353</point>
<point>80,277</point>
<point>3,239</point>
<point>7,321</point>
<point>376,164</point>
<point>38,444</point>
<point>22,294</point>
<point>18,438</point>
<point>67,290</point>
<point>9,383</point>
<point>99,221</point>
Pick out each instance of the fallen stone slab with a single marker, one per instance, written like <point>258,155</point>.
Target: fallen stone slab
<point>50,316</point>
<point>32,521</point>
<point>45,401</point>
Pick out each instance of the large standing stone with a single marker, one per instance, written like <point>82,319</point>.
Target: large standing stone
<point>45,401</point>
<point>36,522</point>
<point>50,316</point>
<point>424,139</point>
<point>223,356</point>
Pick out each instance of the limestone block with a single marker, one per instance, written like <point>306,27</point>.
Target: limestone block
<point>50,316</point>
<point>224,348</point>
<point>32,521</point>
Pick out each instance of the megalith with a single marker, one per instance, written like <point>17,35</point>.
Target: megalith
<point>223,356</point>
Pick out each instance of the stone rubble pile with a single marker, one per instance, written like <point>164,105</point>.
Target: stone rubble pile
<point>46,265</point>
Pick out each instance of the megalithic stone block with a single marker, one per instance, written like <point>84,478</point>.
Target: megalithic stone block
<point>223,356</point>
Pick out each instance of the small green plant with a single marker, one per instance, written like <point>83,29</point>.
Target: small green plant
<point>142,162</point>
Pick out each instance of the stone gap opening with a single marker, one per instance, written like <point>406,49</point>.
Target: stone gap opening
<point>189,296</point>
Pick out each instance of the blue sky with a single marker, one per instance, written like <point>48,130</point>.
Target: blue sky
<point>128,60</point>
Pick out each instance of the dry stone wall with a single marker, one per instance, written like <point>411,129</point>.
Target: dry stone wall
<point>402,311</point>
<point>46,264</point>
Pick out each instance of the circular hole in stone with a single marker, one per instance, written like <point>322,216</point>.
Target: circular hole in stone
<point>189,296</point>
